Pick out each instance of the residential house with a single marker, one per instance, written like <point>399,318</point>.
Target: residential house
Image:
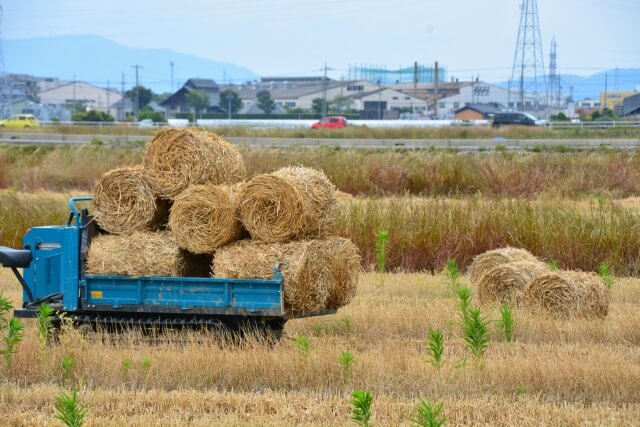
<point>476,112</point>
<point>177,103</point>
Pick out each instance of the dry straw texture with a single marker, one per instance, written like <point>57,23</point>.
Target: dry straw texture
<point>568,294</point>
<point>292,202</point>
<point>313,274</point>
<point>343,258</point>
<point>486,261</point>
<point>124,202</point>
<point>205,217</point>
<point>144,254</point>
<point>505,283</point>
<point>177,158</point>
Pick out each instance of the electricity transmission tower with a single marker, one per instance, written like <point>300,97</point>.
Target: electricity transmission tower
<point>528,76</point>
<point>554,78</point>
<point>5,83</point>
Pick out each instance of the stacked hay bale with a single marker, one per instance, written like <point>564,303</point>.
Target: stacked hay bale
<point>144,253</point>
<point>287,214</point>
<point>514,276</point>
<point>205,217</point>
<point>124,202</point>
<point>290,203</point>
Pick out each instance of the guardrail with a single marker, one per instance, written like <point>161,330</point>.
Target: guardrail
<point>305,124</point>
<point>274,123</point>
<point>592,125</point>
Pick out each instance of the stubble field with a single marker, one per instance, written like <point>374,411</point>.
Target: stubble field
<point>554,372</point>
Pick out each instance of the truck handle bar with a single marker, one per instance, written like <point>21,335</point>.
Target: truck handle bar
<point>74,211</point>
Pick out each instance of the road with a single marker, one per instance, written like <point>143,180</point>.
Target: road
<point>458,144</point>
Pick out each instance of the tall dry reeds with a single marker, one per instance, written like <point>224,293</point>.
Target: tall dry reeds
<point>361,172</point>
<point>425,233</point>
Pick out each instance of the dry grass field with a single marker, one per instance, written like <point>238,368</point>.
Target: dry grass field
<point>578,209</point>
<point>555,372</point>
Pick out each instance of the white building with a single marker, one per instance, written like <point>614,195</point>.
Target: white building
<point>92,97</point>
<point>481,93</point>
<point>362,94</point>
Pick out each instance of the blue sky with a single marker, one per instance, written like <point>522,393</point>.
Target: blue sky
<point>296,37</point>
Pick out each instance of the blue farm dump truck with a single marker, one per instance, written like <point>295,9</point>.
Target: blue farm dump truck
<point>53,263</point>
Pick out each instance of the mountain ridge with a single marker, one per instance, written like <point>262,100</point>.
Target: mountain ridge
<point>65,57</point>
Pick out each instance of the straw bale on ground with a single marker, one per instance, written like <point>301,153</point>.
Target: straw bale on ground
<point>290,203</point>
<point>312,274</point>
<point>568,294</point>
<point>486,261</point>
<point>205,217</point>
<point>123,201</point>
<point>144,254</point>
<point>505,283</point>
<point>177,158</point>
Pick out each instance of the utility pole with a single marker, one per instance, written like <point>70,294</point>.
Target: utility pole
<point>379,101</point>
<point>122,110</point>
<point>435,87</point>
<point>171,65</point>
<point>74,90</point>
<point>108,90</point>
<point>136,106</point>
<point>415,83</point>
<point>229,105</point>
<point>324,93</point>
<point>604,104</point>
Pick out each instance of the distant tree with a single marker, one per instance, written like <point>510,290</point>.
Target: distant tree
<point>341,104</point>
<point>316,105</point>
<point>560,117</point>
<point>265,103</point>
<point>608,114</point>
<point>154,116</point>
<point>198,100</point>
<point>76,106</point>
<point>92,116</point>
<point>160,97</point>
<point>229,97</point>
<point>145,95</point>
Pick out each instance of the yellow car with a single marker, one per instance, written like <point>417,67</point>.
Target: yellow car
<point>20,121</point>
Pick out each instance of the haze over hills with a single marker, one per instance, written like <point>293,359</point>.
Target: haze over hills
<point>591,86</point>
<point>96,59</point>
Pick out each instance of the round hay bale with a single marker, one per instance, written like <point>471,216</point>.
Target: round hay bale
<point>123,201</point>
<point>144,254</point>
<point>343,257</point>
<point>505,283</point>
<point>205,217</point>
<point>177,158</point>
<point>307,269</point>
<point>290,203</point>
<point>486,261</point>
<point>567,294</point>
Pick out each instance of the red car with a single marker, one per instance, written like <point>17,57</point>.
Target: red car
<point>331,122</point>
